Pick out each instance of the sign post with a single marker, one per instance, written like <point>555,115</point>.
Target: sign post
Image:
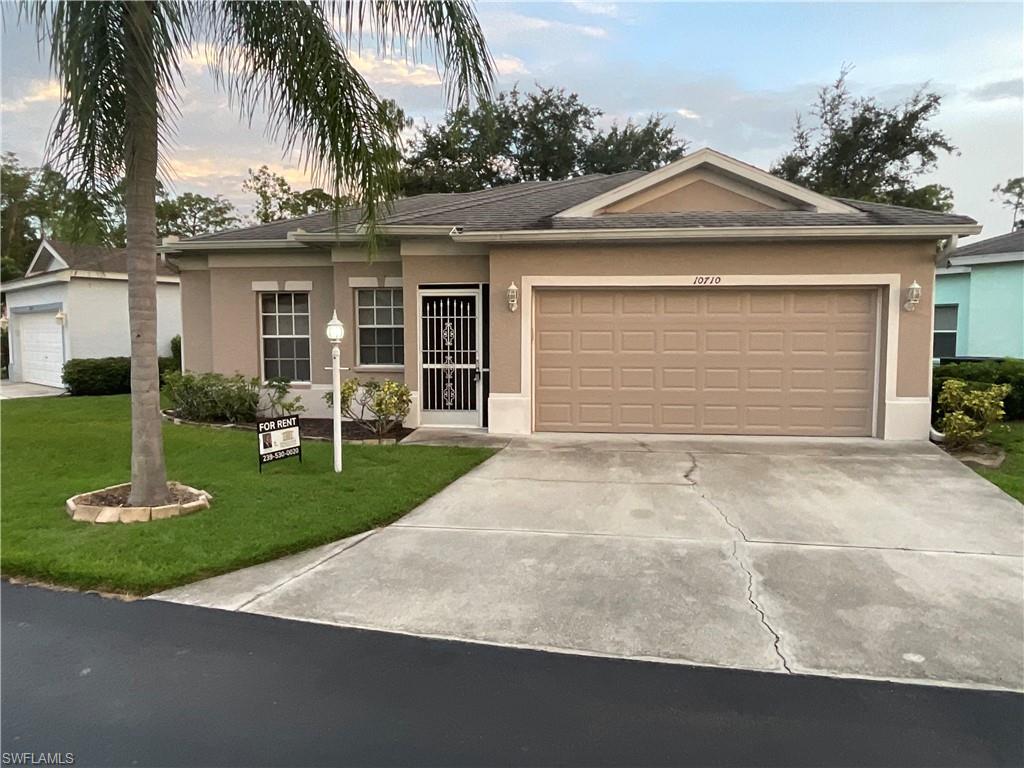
<point>279,439</point>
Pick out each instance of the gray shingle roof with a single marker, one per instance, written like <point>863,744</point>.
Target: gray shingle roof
<point>532,205</point>
<point>99,258</point>
<point>1011,242</point>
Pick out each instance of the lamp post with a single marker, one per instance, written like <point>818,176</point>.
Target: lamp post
<point>335,333</point>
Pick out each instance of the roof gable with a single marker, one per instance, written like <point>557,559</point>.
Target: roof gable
<point>46,259</point>
<point>706,181</point>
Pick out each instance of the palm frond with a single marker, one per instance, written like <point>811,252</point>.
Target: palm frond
<point>445,30</point>
<point>286,59</point>
<point>87,57</point>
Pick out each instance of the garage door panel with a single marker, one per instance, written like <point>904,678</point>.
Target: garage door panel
<point>41,348</point>
<point>717,361</point>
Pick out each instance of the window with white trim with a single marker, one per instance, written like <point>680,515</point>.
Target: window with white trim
<point>381,326</point>
<point>944,338</point>
<point>284,331</point>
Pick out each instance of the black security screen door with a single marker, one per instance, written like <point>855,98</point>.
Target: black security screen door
<point>450,357</point>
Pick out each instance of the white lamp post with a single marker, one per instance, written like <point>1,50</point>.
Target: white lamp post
<point>335,333</point>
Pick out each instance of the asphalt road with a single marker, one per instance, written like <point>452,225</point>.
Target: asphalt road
<point>153,683</point>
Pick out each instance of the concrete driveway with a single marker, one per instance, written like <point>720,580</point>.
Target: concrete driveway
<point>839,557</point>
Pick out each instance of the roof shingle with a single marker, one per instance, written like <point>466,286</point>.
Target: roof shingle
<point>532,205</point>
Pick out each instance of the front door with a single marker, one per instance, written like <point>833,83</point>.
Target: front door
<point>451,371</point>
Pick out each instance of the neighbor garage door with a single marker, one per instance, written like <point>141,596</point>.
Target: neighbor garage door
<point>712,361</point>
<point>42,348</point>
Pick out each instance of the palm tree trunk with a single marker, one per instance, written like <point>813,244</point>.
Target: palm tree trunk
<point>149,477</point>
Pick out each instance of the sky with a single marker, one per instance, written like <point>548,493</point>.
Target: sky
<point>732,76</point>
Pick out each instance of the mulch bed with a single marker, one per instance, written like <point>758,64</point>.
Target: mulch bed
<point>118,497</point>
<point>350,430</point>
<point>324,428</point>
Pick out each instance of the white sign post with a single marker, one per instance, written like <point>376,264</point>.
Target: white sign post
<point>335,333</point>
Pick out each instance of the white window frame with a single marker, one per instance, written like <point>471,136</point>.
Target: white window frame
<point>956,308</point>
<point>359,326</point>
<point>307,335</point>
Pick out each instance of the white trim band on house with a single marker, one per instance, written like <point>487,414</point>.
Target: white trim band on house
<point>670,234</point>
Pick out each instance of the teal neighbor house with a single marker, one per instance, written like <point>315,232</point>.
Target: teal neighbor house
<point>979,300</point>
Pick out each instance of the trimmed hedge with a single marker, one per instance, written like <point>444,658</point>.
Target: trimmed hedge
<point>106,375</point>
<point>979,373</point>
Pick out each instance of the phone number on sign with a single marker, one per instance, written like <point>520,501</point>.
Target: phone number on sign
<point>279,454</point>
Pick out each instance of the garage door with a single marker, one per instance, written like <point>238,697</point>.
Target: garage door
<point>715,361</point>
<point>42,348</point>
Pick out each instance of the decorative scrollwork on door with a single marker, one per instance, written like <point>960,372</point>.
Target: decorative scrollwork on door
<point>448,335</point>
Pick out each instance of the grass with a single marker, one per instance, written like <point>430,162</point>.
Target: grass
<point>1010,476</point>
<point>53,448</point>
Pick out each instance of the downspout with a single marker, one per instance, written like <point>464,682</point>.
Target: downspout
<point>942,255</point>
<point>943,252</point>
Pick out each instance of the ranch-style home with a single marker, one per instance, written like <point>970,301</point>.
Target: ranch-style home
<point>706,297</point>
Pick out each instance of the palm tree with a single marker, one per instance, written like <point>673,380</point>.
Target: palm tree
<point>118,64</point>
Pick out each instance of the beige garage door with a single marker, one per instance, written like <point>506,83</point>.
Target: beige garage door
<point>713,361</point>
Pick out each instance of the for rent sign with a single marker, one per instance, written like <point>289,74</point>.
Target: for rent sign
<point>279,439</point>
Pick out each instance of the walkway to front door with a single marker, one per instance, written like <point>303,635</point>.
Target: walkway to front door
<point>850,557</point>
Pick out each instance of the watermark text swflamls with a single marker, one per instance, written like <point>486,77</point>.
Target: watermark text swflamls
<point>37,758</point>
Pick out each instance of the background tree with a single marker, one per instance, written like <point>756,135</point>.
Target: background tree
<point>861,150</point>
<point>545,135</point>
<point>190,214</point>
<point>1011,195</point>
<point>118,65</point>
<point>275,198</point>
<point>18,236</point>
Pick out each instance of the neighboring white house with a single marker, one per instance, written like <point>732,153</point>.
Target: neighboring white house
<point>73,303</point>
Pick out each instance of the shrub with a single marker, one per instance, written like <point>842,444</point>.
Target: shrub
<point>277,398</point>
<point>377,406</point>
<point>968,413</point>
<point>98,376</point>
<point>979,373</point>
<point>213,396</point>
<point>105,375</point>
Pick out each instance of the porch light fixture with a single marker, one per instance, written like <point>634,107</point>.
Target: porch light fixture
<point>60,317</point>
<point>512,297</point>
<point>913,297</point>
<point>3,323</point>
<point>335,333</point>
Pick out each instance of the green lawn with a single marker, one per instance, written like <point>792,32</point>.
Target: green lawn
<point>53,448</point>
<point>1010,476</point>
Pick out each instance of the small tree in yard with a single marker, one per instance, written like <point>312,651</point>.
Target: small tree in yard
<point>969,413</point>
<point>119,68</point>
<point>376,406</point>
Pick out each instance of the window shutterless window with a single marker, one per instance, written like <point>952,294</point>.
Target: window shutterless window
<point>944,338</point>
<point>381,324</point>
<point>284,332</point>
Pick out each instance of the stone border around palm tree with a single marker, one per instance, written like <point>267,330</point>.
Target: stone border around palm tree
<point>189,500</point>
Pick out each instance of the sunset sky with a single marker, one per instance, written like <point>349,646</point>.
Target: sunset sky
<point>730,76</point>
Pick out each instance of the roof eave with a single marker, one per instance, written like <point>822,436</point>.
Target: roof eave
<point>720,233</point>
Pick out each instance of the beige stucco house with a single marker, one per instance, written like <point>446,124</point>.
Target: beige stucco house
<point>705,297</point>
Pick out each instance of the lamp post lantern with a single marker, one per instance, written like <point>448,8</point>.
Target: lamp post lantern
<point>335,333</point>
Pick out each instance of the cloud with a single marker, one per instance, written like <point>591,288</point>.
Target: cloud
<point>508,66</point>
<point>39,92</point>
<point>381,71</point>
<point>1000,89</point>
<point>596,8</point>
<point>687,114</point>
<point>512,26</point>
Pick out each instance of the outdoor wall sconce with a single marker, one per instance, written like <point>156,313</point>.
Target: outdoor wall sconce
<point>913,297</point>
<point>512,297</point>
<point>60,317</point>
<point>3,323</point>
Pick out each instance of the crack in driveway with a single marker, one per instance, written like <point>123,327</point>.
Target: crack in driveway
<point>777,640</point>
